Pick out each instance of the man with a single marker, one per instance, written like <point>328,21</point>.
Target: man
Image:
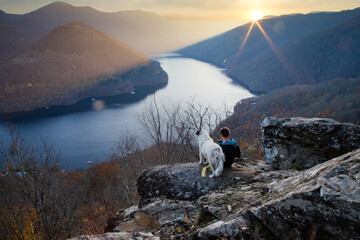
<point>229,147</point>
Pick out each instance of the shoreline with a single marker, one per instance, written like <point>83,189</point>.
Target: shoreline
<point>225,70</point>
<point>83,105</point>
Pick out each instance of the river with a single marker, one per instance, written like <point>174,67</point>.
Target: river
<point>89,135</point>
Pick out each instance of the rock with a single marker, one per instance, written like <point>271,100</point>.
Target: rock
<point>164,216</point>
<point>252,201</point>
<point>243,227</point>
<point>322,202</point>
<point>240,197</point>
<point>118,236</point>
<point>304,142</point>
<point>184,181</point>
<point>255,164</point>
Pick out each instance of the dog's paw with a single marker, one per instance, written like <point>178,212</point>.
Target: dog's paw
<point>211,176</point>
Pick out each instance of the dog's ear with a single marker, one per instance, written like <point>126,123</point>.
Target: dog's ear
<point>198,132</point>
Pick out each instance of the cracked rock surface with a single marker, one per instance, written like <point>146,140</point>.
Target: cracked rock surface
<point>304,142</point>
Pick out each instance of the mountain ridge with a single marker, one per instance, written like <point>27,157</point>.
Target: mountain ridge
<point>311,58</point>
<point>65,65</point>
<point>145,31</point>
<point>12,39</point>
<point>223,50</point>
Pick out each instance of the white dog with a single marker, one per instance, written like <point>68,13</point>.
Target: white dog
<point>211,152</point>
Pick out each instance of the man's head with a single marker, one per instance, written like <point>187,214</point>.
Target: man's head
<point>225,132</point>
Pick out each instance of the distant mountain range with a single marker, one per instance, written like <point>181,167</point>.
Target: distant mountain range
<point>306,49</point>
<point>70,63</point>
<point>145,31</point>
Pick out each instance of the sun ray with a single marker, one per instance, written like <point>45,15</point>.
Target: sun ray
<point>275,48</point>
<point>243,43</point>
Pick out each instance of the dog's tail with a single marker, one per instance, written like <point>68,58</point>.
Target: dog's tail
<point>220,159</point>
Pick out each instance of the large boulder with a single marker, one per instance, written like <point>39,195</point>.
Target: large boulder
<point>304,142</point>
<point>322,202</point>
<point>184,181</point>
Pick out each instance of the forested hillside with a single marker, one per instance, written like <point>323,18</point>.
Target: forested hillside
<point>68,64</point>
<point>314,57</point>
<point>338,99</point>
<point>293,47</point>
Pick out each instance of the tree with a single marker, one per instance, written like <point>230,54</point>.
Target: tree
<point>171,127</point>
<point>38,199</point>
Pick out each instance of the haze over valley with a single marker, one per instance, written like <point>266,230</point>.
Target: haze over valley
<point>147,32</point>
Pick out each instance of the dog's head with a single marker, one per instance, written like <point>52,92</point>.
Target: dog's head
<point>198,132</point>
<point>202,132</point>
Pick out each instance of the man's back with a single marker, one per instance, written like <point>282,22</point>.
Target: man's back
<point>231,151</point>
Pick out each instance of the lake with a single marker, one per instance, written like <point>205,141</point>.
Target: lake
<point>89,135</point>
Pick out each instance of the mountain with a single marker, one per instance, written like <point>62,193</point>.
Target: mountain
<point>338,99</point>
<point>223,50</point>
<point>13,39</point>
<point>145,31</point>
<point>41,21</point>
<point>315,57</point>
<point>72,62</point>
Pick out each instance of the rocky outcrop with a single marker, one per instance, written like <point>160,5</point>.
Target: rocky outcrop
<point>304,142</point>
<point>252,201</point>
<point>320,203</point>
<point>184,181</point>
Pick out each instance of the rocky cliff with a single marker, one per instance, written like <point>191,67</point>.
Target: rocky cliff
<point>250,201</point>
<point>304,142</point>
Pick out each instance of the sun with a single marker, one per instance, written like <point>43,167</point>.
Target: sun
<point>256,15</point>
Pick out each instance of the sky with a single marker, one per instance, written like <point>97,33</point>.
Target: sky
<point>194,9</point>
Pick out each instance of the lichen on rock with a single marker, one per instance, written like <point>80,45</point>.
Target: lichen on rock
<point>300,143</point>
